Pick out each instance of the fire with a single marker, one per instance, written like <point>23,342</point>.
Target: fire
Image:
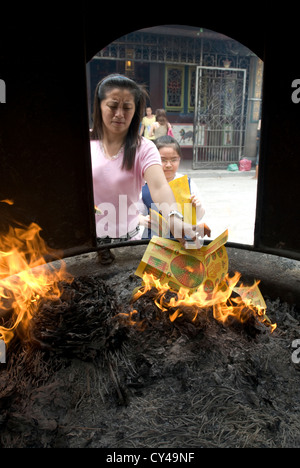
<point>224,305</point>
<point>130,319</point>
<point>25,278</point>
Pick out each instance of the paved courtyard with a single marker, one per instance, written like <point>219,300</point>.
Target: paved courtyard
<point>229,200</point>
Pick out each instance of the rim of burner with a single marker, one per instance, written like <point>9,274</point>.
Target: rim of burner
<point>266,250</point>
<point>278,275</point>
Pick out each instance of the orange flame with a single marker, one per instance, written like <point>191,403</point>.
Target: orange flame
<point>25,278</point>
<point>224,306</point>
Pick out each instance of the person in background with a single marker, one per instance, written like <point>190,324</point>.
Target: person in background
<point>122,161</point>
<point>147,121</point>
<point>170,153</point>
<point>161,127</point>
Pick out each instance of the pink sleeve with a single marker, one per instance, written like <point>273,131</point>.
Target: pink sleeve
<point>148,155</point>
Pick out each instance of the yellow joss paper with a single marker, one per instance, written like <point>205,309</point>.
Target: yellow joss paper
<point>169,262</point>
<point>159,225</point>
<point>251,295</point>
<point>182,194</point>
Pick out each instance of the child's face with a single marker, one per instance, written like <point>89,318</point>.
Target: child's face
<point>170,161</point>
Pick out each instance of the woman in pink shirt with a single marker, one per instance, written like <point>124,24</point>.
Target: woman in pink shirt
<point>122,161</point>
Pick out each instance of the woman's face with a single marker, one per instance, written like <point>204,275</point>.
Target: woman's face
<point>117,111</point>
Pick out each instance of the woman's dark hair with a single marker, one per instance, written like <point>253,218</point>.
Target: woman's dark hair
<point>140,98</point>
<point>167,140</point>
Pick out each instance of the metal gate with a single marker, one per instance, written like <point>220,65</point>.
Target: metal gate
<point>219,121</point>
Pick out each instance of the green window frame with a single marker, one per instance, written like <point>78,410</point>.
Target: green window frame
<point>174,88</point>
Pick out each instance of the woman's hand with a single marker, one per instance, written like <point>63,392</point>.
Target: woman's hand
<point>164,199</point>
<point>145,221</point>
<point>189,236</point>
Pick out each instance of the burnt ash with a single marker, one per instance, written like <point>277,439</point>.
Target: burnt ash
<point>86,378</point>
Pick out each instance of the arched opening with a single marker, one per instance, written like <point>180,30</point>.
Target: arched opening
<point>200,77</point>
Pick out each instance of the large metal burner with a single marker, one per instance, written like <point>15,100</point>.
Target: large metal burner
<point>87,379</point>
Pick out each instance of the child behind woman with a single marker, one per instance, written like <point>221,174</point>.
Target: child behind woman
<point>170,153</point>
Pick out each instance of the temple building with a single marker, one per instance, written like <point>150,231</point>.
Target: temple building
<point>209,84</point>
